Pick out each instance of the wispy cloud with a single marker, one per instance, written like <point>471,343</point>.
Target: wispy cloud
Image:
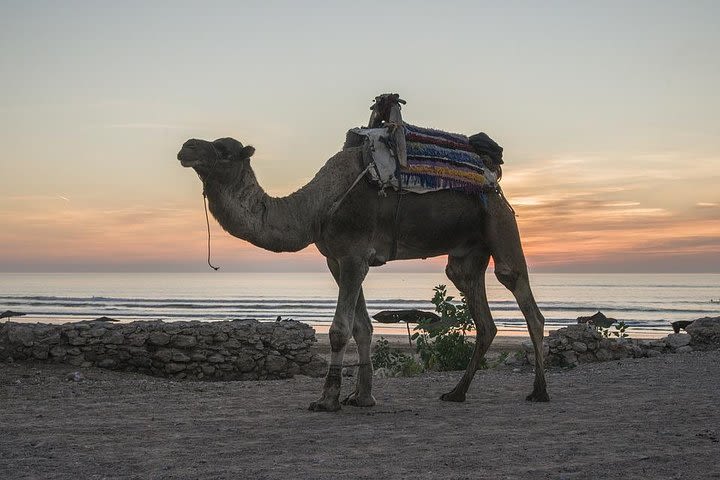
<point>147,126</point>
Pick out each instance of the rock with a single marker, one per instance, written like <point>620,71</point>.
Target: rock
<point>58,351</point>
<point>105,319</point>
<point>21,335</point>
<point>164,355</point>
<point>705,333</point>
<point>98,332</point>
<point>174,367</point>
<point>74,377</point>
<point>382,372</point>
<point>680,325</point>
<point>216,358</point>
<point>579,347</point>
<point>137,339</point>
<point>41,352</point>
<point>245,362</point>
<point>184,341</point>
<point>275,363</point>
<point>106,363</point>
<point>685,349</point>
<point>657,344</point>
<point>598,319</point>
<point>677,340</point>
<point>527,346</point>
<point>570,358</point>
<point>317,367</point>
<point>158,338</point>
<point>180,357</point>
<point>114,338</point>
<point>515,359</point>
<point>603,355</point>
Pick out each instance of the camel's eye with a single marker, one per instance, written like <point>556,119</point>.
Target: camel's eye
<point>222,150</point>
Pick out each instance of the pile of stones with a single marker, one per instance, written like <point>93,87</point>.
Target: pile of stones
<point>583,343</point>
<point>230,350</point>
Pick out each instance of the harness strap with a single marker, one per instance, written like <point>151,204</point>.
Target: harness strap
<point>339,201</point>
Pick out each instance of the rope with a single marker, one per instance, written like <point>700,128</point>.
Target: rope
<point>345,365</point>
<point>207,222</point>
<point>337,204</point>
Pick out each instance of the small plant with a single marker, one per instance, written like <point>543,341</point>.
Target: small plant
<point>443,344</point>
<point>620,330</point>
<point>399,363</point>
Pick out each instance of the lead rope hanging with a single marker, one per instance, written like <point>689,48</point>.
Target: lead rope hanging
<point>207,222</point>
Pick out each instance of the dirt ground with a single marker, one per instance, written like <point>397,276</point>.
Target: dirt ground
<point>637,418</point>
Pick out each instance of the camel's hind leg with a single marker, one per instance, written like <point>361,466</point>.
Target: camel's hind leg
<point>468,275</point>
<point>352,272</point>
<point>511,270</point>
<point>362,333</point>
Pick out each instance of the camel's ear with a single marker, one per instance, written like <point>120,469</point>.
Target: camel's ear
<point>247,152</point>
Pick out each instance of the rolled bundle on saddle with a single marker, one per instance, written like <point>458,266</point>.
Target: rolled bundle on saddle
<point>420,160</point>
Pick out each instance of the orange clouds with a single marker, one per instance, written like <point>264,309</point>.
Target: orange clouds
<point>581,213</point>
<point>598,214</point>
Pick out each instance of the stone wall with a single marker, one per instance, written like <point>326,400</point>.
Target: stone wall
<point>232,350</point>
<point>582,343</point>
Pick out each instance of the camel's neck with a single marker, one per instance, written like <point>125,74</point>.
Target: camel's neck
<point>286,224</point>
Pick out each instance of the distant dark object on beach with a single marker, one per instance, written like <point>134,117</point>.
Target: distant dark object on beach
<point>598,319</point>
<point>680,325</point>
<point>407,316</point>
<point>105,319</point>
<point>10,313</point>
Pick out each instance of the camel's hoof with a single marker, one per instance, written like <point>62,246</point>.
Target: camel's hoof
<point>355,400</point>
<point>538,397</point>
<point>324,405</point>
<point>452,397</point>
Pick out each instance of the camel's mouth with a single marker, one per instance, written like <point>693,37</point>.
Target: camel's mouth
<point>185,161</point>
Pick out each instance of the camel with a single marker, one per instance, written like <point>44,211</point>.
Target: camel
<point>366,229</point>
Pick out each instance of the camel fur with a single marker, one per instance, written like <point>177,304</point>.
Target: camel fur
<point>359,234</point>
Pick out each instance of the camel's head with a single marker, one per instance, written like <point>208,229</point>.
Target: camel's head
<point>206,156</point>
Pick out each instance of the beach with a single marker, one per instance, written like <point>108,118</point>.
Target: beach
<point>634,418</point>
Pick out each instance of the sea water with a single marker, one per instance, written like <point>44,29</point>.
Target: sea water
<point>647,303</point>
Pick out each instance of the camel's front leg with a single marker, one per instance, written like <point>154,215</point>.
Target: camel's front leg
<point>362,333</point>
<point>352,273</point>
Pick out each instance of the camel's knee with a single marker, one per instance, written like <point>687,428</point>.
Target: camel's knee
<point>338,338</point>
<point>363,332</point>
<point>457,275</point>
<point>507,276</point>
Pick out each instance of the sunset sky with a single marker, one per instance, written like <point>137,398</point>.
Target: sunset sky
<point>609,114</point>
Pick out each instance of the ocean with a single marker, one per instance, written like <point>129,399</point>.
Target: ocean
<point>647,303</point>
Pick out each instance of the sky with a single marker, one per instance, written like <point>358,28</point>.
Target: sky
<point>608,113</point>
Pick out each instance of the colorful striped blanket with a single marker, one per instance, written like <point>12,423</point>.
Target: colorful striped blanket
<point>441,160</point>
<point>436,160</point>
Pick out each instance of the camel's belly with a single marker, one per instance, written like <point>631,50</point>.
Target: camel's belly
<point>423,226</point>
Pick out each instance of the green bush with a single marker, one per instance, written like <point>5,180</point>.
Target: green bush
<point>397,362</point>
<point>443,345</point>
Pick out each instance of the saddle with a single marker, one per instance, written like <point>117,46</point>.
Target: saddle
<point>420,160</point>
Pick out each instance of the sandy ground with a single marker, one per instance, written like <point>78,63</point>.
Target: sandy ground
<point>637,418</point>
